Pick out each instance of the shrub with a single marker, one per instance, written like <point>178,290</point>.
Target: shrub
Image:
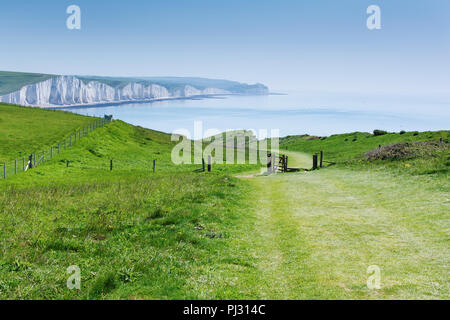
<point>402,132</point>
<point>377,132</point>
<point>406,150</point>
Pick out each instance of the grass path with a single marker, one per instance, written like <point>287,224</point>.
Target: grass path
<point>314,234</point>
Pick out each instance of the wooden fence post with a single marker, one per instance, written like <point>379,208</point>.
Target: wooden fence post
<point>51,152</point>
<point>23,164</point>
<point>30,162</point>
<point>4,171</point>
<point>314,161</point>
<point>286,164</point>
<point>321,159</point>
<point>111,166</point>
<point>154,165</point>
<point>209,164</point>
<point>269,163</point>
<point>34,159</point>
<point>203,164</point>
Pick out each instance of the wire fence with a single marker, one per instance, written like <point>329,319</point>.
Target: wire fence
<point>33,160</point>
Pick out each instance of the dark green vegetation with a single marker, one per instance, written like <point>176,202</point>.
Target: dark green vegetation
<point>180,234</point>
<point>13,81</point>
<point>314,234</point>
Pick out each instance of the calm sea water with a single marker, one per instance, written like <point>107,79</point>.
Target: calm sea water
<point>292,113</point>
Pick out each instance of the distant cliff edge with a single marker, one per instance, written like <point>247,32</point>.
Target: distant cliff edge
<point>62,91</point>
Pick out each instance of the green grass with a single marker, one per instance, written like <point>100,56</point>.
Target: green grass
<point>343,147</point>
<point>139,237</point>
<point>180,234</point>
<point>135,234</point>
<point>313,235</point>
<point>25,130</point>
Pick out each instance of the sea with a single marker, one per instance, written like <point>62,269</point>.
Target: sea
<point>286,113</point>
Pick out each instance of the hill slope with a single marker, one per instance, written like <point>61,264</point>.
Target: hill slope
<point>180,234</point>
<point>52,91</point>
<point>13,81</point>
<point>133,233</point>
<point>26,130</point>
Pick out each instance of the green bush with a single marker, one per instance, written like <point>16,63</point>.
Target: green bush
<point>377,132</point>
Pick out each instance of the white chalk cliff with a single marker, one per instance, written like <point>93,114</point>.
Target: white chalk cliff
<point>70,91</point>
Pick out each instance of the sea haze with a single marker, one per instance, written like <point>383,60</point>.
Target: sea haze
<point>292,113</point>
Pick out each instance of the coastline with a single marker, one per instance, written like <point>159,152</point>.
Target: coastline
<point>122,102</point>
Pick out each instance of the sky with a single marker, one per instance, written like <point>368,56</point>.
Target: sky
<point>320,45</point>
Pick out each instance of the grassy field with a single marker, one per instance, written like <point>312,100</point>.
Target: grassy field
<point>27,130</point>
<point>343,147</point>
<point>315,234</point>
<point>135,234</point>
<point>230,234</point>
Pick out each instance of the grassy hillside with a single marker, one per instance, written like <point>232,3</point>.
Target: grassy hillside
<point>178,83</point>
<point>135,236</point>
<point>26,130</point>
<point>181,234</point>
<point>171,83</point>
<point>343,147</point>
<point>13,81</point>
<point>133,233</point>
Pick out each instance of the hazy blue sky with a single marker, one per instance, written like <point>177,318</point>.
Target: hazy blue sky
<point>321,45</point>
